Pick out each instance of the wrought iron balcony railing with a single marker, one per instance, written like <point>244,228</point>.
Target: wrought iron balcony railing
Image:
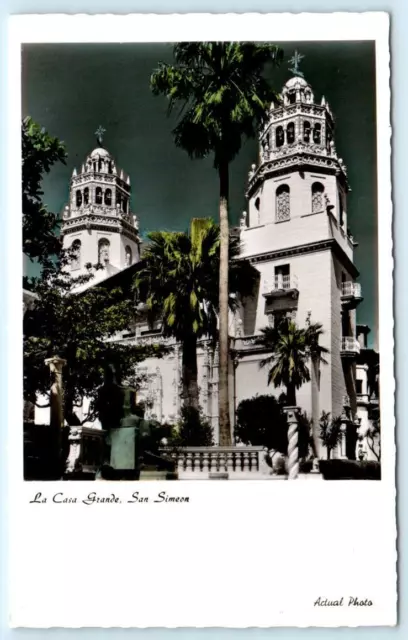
<point>281,283</point>
<point>351,290</point>
<point>350,345</point>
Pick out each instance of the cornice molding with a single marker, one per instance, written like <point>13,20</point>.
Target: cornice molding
<point>299,160</point>
<point>322,245</point>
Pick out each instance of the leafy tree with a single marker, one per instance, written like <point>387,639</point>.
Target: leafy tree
<point>330,431</point>
<point>179,283</point>
<point>224,98</point>
<point>78,328</point>
<point>40,152</point>
<point>317,352</point>
<point>288,362</point>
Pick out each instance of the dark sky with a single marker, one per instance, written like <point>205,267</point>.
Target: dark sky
<point>70,89</point>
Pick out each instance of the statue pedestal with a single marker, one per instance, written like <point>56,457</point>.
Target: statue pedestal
<point>124,449</point>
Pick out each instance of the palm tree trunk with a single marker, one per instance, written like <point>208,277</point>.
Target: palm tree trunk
<point>223,395</point>
<point>315,385</point>
<point>189,372</point>
<point>291,395</point>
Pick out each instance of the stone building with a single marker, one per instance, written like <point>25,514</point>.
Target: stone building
<point>294,233</point>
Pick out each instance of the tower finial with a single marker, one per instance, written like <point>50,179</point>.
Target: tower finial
<point>99,135</point>
<point>295,60</point>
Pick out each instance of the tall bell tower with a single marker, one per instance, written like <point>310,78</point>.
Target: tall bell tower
<point>295,233</point>
<point>97,222</point>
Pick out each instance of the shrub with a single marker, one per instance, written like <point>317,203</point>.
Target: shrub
<point>261,421</point>
<point>193,430</point>
<point>350,470</point>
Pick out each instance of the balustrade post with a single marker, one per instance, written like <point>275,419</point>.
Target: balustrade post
<point>293,437</point>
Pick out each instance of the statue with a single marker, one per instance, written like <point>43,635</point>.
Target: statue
<point>131,442</point>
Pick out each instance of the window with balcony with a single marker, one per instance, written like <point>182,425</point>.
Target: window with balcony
<point>282,203</point>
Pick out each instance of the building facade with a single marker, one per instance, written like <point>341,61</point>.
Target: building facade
<point>294,233</point>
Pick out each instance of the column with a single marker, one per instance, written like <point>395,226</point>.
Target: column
<point>293,438</point>
<point>56,393</point>
<point>56,412</point>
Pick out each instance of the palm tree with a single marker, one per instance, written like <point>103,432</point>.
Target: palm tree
<point>179,283</point>
<point>224,97</point>
<point>288,362</point>
<point>330,432</point>
<point>316,352</point>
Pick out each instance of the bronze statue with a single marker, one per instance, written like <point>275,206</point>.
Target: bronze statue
<point>126,452</point>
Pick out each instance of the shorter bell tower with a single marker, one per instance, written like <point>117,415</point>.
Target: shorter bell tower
<point>97,223</point>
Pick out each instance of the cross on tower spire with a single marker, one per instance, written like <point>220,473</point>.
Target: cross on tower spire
<point>295,60</point>
<point>99,134</point>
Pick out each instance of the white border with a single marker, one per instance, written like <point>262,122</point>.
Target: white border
<point>240,554</point>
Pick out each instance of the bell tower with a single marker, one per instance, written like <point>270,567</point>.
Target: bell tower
<point>97,222</point>
<point>295,234</point>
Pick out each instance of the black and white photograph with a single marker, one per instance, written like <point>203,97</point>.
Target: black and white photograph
<point>200,242</point>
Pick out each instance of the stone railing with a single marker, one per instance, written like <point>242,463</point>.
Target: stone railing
<point>85,450</point>
<point>233,463</point>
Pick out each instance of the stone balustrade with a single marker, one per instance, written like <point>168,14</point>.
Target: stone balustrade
<point>235,462</point>
<point>192,463</point>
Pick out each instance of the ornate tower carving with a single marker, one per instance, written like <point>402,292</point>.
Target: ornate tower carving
<point>97,222</point>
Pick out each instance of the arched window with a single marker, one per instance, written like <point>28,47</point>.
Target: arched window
<point>76,255</point>
<point>110,166</point>
<point>290,133</point>
<point>118,200</point>
<point>257,203</point>
<point>129,257</point>
<point>103,251</point>
<point>98,195</point>
<point>86,195</point>
<point>280,138</point>
<point>282,203</point>
<point>108,197</point>
<point>124,205</point>
<point>99,165</point>
<point>292,97</point>
<point>306,131</point>
<point>317,133</point>
<point>94,165</point>
<point>78,198</point>
<point>317,197</point>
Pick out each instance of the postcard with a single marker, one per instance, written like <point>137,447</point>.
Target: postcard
<point>203,205</point>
